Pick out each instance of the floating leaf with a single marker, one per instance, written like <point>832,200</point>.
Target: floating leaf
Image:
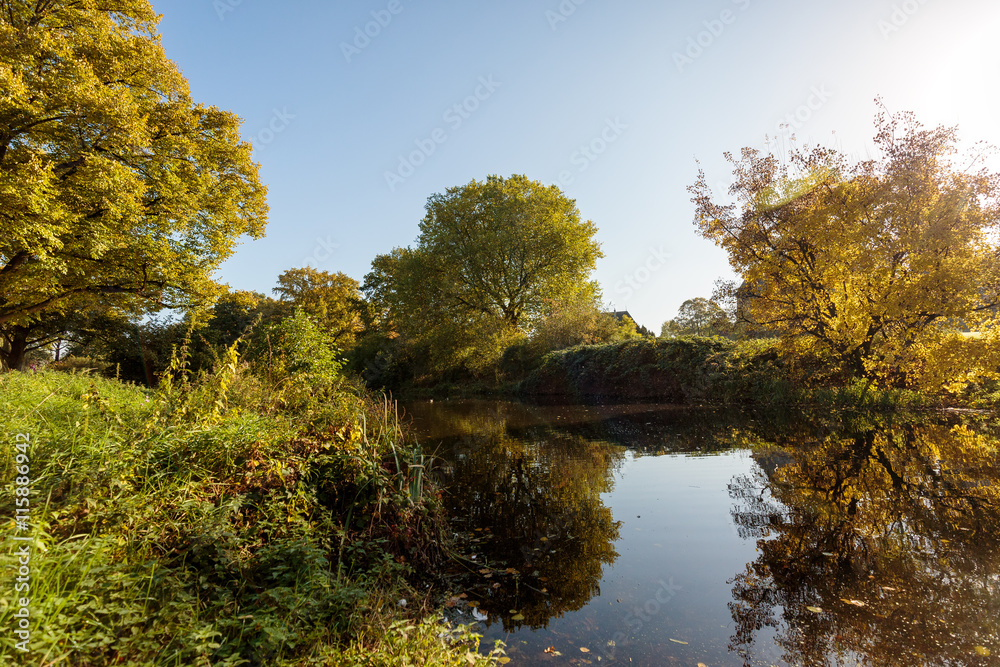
<point>517,617</point>
<point>584,649</point>
<point>678,641</point>
<point>504,660</point>
<point>815,610</point>
<point>983,651</point>
<point>856,603</point>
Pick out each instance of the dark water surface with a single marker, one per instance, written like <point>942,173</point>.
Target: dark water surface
<point>652,535</point>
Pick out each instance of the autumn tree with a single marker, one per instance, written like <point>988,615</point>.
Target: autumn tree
<point>333,300</point>
<point>490,260</point>
<point>116,188</point>
<point>876,264</point>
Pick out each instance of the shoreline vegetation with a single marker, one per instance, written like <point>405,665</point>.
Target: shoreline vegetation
<point>702,371</point>
<point>257,514</point>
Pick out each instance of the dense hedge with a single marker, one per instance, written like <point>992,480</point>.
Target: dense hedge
<point>678,370</point>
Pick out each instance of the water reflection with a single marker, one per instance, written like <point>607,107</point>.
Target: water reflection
<point>875,542</point>
<point>878,545</point>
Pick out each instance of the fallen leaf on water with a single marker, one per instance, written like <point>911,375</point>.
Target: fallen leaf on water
<point>543,539</point>
<point>889,588</point>
<point>827,553</point>
<point>701,664</point>
<point>584,649</point>
<point>815,610</point>
<point>450,603</point>
<point>551,649</point>
<point>678,641</point>
<point>462,596</point>
<point>504,660</point>
<point>517,617</point>
<point>983,651</point>
<point>856,603</point>
<point>484,571</point>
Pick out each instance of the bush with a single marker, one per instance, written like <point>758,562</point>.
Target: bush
<point>205,524</point>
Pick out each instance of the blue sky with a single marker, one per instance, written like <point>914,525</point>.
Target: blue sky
<point>351,107</point>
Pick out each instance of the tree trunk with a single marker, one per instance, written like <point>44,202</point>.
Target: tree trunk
<point>13,350</point>
<point>147,365</point>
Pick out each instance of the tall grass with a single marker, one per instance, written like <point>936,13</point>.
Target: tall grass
<point>218,521</point>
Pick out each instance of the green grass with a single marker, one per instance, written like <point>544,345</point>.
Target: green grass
<point>211,524</point>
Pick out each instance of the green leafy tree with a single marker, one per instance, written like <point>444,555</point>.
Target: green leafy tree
<point>115,186</point>
<point>578,321</point>
<point>698,317</point>
<point>491,259</point>
<point>876,264</point>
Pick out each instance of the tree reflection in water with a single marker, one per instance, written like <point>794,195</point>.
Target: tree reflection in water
<point>530,479</point>
<point>878,545</point>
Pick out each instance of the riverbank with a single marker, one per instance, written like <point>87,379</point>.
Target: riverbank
<point>707,371</point>
<point>216,521</point>
<point>697,370</point>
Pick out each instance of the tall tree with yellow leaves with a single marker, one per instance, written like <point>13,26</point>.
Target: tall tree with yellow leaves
<point>880,264</point>
<point>115,186</point>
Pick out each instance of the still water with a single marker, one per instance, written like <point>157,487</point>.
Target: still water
<point>654,535</point>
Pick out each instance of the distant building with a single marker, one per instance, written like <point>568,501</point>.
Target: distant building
<point>619,314</point>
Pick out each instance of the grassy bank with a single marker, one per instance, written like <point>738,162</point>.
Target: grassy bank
<point>697,370</point>
<point>232,520</point>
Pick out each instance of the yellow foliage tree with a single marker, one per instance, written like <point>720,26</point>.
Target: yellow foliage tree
<point>116,188</point>
<point>875,264</point>
<point>333,300</point>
